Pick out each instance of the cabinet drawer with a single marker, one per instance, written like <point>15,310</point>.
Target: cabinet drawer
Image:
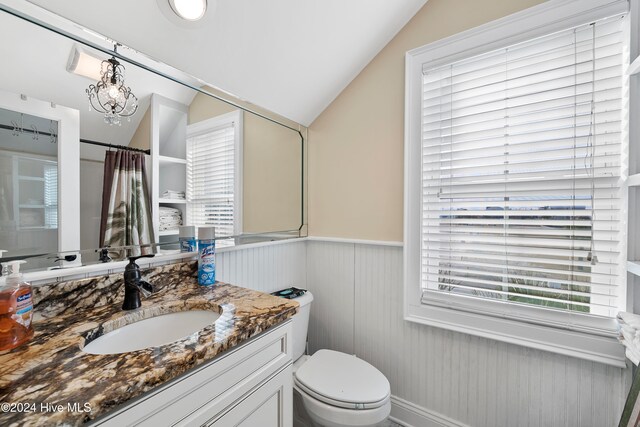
<point>214,386</point>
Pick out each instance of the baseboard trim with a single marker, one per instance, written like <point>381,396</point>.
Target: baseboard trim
<point>411,415</point>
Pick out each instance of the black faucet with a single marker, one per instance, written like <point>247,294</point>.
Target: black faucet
<point>104,254</point>
<point>133,284</point>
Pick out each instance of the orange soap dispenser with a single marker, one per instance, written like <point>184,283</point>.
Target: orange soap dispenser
<point>16,307</point>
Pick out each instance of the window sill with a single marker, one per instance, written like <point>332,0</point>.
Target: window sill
<point>592,347</point>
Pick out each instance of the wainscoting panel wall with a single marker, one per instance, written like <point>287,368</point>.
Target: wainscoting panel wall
<point>447,377</point>
<point>332,316</point>
<point>438,377</point>
<point>265,268</point>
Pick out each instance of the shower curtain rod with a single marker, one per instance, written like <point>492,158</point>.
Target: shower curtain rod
<point>84,141</point>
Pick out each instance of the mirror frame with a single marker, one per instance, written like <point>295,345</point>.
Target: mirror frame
<point>68,120</point>
<point>59,25</point>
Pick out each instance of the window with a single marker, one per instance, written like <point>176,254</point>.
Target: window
<point>51,195</point>
<point>214,173</point>
<point>521,163</point>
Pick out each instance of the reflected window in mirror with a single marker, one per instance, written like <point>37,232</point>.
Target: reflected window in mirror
<point>214,173</point>
<point>28,184</point>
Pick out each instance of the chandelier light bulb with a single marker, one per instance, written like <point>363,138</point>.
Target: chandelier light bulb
<point>110,96</point>
<point>191,10</point>
<point>113,92</point>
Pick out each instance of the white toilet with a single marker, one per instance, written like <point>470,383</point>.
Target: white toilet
<point>336,389</point>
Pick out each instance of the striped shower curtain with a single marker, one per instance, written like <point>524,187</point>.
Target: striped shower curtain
<point>126,208</point>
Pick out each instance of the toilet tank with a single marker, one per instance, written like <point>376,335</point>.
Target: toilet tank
<point>301,324</point>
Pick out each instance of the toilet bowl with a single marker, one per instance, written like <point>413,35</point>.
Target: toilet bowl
<point>336,389</point>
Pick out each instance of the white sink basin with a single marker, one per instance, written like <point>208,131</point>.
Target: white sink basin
<point>152,332</point>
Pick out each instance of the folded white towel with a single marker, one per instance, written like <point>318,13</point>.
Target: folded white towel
<point>632,334</point>
<point>628,338</point>
<point>172,194</point>
<point>628,333</point>
<point>170,218</point>
<point>168,227</point>
<point>630,319</point>
<point>169,211</point>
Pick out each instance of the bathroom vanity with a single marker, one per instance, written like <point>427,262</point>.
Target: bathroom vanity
<point>235,371</point>
<point>247,386</point>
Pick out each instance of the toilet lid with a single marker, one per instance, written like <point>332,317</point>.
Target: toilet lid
<point>343,380</point>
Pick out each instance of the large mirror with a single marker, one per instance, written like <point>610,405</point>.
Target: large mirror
<point>97,151</point>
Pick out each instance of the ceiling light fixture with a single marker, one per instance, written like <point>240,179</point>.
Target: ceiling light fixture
<point>109,96</point>
<point>190,10</point>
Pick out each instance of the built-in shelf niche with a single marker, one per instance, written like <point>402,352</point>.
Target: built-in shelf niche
<point>168,152</point>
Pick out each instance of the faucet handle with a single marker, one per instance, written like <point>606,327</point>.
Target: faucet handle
<point>133,259</point>
<point>145,288</point>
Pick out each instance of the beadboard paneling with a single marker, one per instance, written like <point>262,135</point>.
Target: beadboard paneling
<point>265,268</point>
<point>473,380</point>
<point>331,321</point>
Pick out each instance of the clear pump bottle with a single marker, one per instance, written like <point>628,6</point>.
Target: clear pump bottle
<point>16,307</point>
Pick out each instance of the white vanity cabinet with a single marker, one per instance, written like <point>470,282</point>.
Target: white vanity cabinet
<point>249,385</point>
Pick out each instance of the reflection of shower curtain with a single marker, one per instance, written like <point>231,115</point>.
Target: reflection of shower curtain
<point>126,212</point>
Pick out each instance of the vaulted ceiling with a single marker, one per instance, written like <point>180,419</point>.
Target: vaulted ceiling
<point>292,57</point>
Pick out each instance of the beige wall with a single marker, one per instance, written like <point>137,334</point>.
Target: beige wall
<point>272,195</point>
<point>356,144</point>
<point>142,137</point>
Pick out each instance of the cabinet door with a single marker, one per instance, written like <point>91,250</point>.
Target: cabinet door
<point>270,405</point>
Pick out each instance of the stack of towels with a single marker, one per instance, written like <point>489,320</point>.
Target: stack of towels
<point>630,335</point>
<point>173,194</point>
<point>170,218</point>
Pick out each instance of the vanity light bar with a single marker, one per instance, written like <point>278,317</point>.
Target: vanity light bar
<point>84,64</point>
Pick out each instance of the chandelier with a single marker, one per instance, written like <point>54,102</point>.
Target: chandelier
<point>110,96</point>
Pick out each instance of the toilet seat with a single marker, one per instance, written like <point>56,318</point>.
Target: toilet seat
<point>339,403</point>
<point>343,381</point>
<point>333,416</point>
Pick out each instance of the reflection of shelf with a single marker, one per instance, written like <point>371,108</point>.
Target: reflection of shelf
<point>30,178</point>
<point>171,160</point>
<point>173,201</point>
<point>172,232</point>
<point>168,251</point>
<point>32,206</point>
<point>633,267</point>
<point>37,227</point>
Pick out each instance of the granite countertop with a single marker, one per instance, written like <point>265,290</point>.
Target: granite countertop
<point>41,379</point>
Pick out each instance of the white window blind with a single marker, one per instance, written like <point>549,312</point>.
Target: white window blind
<point>51,195</point>
<point>523,153</point>
<point>211,178</point>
